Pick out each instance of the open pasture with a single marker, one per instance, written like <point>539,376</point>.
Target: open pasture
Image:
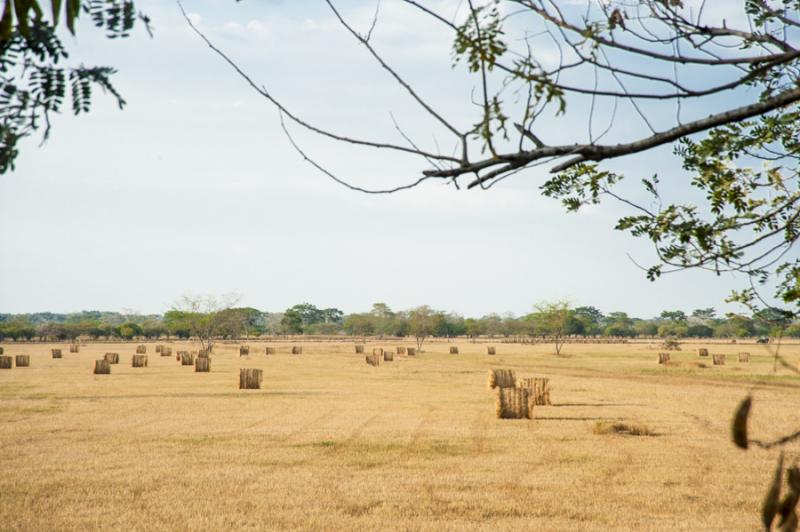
<point>332,443</point>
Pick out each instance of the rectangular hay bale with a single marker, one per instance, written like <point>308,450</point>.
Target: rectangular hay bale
<point>513,403</point>
<point>719,360</point>
<point>6,362</point>
<point>23,361</point>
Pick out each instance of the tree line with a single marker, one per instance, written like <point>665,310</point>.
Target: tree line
<point>546,319</point>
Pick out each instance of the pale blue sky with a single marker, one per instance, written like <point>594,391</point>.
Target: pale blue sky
<point>194,189</point>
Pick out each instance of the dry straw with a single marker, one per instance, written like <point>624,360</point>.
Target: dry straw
<point>202,365</point>
<point>400,350</point>
<point>6,362</point>
<point>111,358</point>
<point>159,347</point>
<point>538,388</point>
<point>297,350</point>
<point>203,353</point>
<point>166,351</point>
<point>139,361</point>
<point>744,356</point>
<point>244,350</point>
<point>359,349</point>
<point>491,350</point>
<point>388,356</point>
<point>23,361</point>
<point>141,349</point>
<point>187,359</point>
<point>703,352</point>
<point>270,350</point>
<point>453,350</point>
<point>374,359</point>
<point>56,353</point>
<point>514,403</point>
<point>377,351</point>
<point>502,378</point>
<point>250,379</point>
<point>411,351</point>
<point>102,367</point>
<point>74,348</point>
<point>719,360</point>
<point>663,358</point>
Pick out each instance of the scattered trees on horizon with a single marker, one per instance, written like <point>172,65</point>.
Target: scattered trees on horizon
<point>547,319</point>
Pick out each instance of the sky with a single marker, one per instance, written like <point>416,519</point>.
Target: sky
<point>194,189</point>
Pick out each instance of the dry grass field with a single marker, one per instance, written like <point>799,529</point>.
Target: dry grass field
<point>331,443</point>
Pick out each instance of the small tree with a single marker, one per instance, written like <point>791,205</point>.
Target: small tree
<point>422,323</point>
<point>205,316</point>
<point>552,319</point>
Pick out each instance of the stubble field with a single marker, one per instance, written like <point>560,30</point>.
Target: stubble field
<point>330,443</point>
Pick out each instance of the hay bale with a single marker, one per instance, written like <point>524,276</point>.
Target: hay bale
<point>703,352</point>
<point>411,351</point>
<point>166,351</point>
<point>202,365</point>
<point>538,389</point>
<point>56,353</point>
<point>744,356</point>
<point>359,349</point>
<point>141,349</point>
<point>388,356</point>
<point>111,358</point>
<point>6,362</point>
<point>244,350</point>
<point>377,351</point>
<point>187,359</point>
<point>74,348</point>
<point>23,361</point>
<point>719,360</point>
<point>159,347</point>
<point>453,350</point>
<point>502,378</point>
<point>491,350</point>
<point>374,359</point>
<point>400,350</point>
<point>297,350</point>
<point>250,379</point>
<point>139,361</point>
<point>102,367</point>
<point>270,351</point>
<point>663,358</point>
<point>514,403</point>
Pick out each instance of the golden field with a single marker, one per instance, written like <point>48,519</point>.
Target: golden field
<point>330,443</point>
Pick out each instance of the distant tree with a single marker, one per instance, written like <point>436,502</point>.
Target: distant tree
<point>205,316</point>
<point>552,319</point>
<point>618,324</point>
<point>704,314</point>
<point>673,315</point>
<point>292,321</point>
<point>675,329</point>
<point>699,330</point>
<point>590,318</point>
<point>128,330</point>
<point>644,328</point>
<point>359,325</point>
<point>422,322</point>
